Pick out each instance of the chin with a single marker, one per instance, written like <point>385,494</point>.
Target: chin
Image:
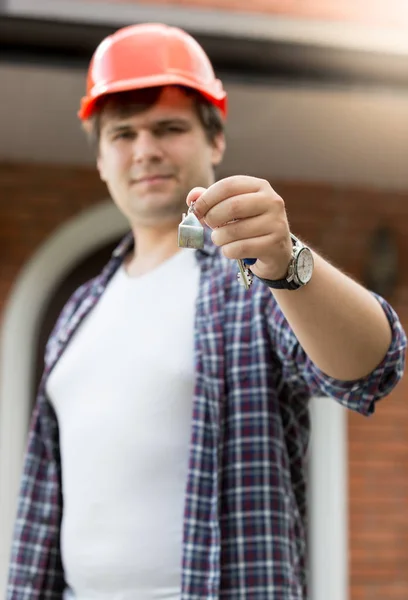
<point>157,212</point>
<point>156,203</point>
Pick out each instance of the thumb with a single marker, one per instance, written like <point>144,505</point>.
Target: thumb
<point>194,195</point>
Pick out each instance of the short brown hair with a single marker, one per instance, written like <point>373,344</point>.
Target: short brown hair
<point>135,101</point>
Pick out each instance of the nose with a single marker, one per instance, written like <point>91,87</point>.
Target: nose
<point>146,147</point>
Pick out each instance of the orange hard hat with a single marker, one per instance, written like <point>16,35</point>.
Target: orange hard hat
<point>150,55</point>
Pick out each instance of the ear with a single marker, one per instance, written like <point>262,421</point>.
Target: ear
<point>218,149</point>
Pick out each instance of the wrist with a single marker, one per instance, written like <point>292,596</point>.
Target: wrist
<point>298,272</point>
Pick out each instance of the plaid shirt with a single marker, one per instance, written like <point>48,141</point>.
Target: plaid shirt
<point>245,504</point>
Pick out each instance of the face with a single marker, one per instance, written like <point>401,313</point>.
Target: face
<point>151,160</point>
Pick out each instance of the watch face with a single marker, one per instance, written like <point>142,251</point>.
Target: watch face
<point>304,265</point>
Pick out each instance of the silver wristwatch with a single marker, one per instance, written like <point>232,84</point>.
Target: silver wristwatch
<point>300,268</point>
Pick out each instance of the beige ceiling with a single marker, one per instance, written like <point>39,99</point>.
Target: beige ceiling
<point>346,136</point>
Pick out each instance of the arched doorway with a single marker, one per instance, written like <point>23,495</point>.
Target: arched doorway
<point>69,255</point>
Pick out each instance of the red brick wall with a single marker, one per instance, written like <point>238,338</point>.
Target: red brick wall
<point>390,13</point>
<point>35,200</point>
<point>339,223</point>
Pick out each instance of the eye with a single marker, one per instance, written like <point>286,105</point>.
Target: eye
<point>175,128</point>
<point>170,129</point>
<point>124,135</point>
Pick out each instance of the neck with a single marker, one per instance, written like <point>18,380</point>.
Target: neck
<point>153,245</point>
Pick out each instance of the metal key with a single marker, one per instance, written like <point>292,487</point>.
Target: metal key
<point>245,277</point>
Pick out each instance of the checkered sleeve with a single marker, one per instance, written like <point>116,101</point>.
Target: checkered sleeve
<point>359,395</point>
<point>35,567</point>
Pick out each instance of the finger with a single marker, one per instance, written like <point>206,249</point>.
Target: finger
<point>260,247</point>
<point>243,206</point>
<point>194,194</point>
<point>226,188</point>
<point>241,230</point>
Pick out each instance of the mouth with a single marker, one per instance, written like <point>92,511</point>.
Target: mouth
<point>151,180</point>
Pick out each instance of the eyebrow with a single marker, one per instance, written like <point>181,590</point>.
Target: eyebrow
<point>120,127</point>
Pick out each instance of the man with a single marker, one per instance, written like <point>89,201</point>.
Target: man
<point>166,456</point>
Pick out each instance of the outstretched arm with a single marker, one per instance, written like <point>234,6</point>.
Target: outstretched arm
<point>340,325</point>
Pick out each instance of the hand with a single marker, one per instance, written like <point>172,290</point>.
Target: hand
<point>248,219</point>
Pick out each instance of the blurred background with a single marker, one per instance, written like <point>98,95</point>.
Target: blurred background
<point>318,95</point>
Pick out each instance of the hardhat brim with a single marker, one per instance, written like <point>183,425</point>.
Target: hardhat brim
<point>88,103</point>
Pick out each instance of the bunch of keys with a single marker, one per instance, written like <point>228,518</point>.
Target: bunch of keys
<point>191,235</point>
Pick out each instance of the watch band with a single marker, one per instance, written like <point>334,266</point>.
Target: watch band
<point>280,284</point>
<point>283,284</point>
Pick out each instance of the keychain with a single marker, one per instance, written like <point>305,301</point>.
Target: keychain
<point>190,231</point>
<point>191,235</point>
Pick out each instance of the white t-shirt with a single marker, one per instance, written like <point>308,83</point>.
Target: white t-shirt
<point>122,392</point>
